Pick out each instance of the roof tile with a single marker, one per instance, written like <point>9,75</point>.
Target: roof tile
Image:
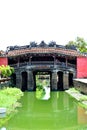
<point>44,50</point>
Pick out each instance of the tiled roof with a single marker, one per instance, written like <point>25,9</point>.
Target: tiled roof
<point>38,50</point>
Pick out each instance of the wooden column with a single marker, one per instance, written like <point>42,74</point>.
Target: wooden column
<point>30,60</point>
<point>66,61</point>
<point>18,61</point>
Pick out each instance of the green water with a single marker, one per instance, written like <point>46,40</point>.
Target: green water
<point>60,112</point>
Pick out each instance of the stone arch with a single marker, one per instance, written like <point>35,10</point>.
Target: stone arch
<point>60,80</point>
<point>24,81</point>
<point>70,79</point>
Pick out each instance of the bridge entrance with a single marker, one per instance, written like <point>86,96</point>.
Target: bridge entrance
<point>42,78</point>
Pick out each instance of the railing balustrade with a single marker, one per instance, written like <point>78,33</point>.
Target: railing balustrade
<point>42,63</point>
<point>36,63</point>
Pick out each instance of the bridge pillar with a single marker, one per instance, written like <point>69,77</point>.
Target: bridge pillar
<point>18,79</point>
<point>65,80</point>
<point>30,81</point>
<point>54,80</point>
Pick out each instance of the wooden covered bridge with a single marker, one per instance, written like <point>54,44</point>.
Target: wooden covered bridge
<point>55,60</point>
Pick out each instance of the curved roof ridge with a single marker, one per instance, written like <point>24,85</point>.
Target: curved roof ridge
<point>46,50</point>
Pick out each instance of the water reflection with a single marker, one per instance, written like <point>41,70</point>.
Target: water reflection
<point>60,112</point>
<point>82,116</point>
<point>47,93</point>
<point>43,86</point>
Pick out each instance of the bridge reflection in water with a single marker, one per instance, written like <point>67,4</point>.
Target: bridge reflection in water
<point>59,112</point>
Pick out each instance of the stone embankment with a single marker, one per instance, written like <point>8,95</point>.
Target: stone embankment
<point>81,98</point>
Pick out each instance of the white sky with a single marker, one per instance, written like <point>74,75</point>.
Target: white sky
<point>22,21</point>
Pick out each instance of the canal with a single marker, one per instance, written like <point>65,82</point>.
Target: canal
<point>59,112</point>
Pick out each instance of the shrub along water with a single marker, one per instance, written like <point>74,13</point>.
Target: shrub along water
<point>9,98</point>
<point>6,71</point>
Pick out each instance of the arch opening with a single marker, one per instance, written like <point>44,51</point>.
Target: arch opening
<point>60,81</point>
<point>24,81</point>
<point>70,79</point>
<point>42,76</point>
<point>13,80</point>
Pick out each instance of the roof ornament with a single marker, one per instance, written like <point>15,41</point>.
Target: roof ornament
<point>52,44</point>
<point>33,44</point>
<point>42,44</point>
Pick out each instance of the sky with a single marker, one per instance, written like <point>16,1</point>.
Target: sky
<point>23,21</point>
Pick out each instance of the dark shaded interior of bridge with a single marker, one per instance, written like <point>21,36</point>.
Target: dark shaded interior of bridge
<point>24,75</point>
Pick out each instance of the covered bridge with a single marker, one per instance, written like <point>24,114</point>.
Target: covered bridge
<point>58,62</point>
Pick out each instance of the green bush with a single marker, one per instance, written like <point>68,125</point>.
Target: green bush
<point>6,71</point>
<point>9,98</point>
<point>15,92</point>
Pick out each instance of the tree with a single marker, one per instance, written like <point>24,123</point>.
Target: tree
<point>80,44</point>
<point>71,45</point>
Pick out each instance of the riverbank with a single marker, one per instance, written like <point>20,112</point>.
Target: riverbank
<point>81,98</point>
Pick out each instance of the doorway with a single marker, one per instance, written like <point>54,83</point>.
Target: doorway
<point>60,81</point>
<point>24,81</point>
<point>71,79</point>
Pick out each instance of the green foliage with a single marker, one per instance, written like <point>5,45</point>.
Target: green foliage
<point>15,92</point>
<point>4,120</point>
<point>79,43</point>
<point>6,71</point>
<point>9,98</point>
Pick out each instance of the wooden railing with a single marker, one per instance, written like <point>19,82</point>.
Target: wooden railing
<point>36,63</point>
<point>42,63</point>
